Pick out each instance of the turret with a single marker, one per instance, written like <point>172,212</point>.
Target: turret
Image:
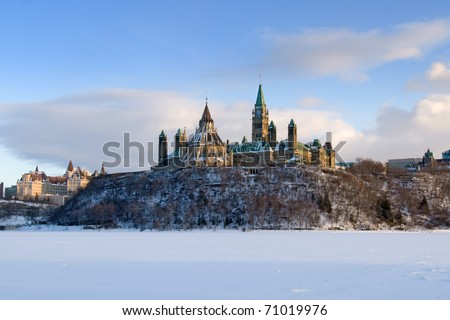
<point>162,150</point>
<point>292,136</point>
<point>178,141</point>
<point>180,146</point>
<point>272,135</point>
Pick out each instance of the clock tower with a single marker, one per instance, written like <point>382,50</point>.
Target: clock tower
<point>260,119</point>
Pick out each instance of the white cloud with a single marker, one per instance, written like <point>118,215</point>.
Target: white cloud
<point>432,115</point>
<point>349,53</point>
<point>401,134</point>
<point>438,72</point>
<point>76,127</point>
<point>308,102</point>
<point>435,79</point>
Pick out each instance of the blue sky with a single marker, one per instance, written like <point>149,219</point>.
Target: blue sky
<point>76,74</point>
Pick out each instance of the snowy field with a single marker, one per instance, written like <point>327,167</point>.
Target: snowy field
<point>224,265</point>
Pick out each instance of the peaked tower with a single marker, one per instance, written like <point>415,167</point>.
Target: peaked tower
<point>272,134</point>
<point>205,146</point>
<point>163,150</point>
<point>292,136</point>
<point>260,119</point>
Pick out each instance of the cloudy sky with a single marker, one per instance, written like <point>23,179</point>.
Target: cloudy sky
<point>75,75</point>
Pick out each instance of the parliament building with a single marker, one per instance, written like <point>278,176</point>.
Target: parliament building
<point>206,148</point>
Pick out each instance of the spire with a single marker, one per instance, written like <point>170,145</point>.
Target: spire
<point>206,114</point>
<point>37,169</point>
<point>70,166</point>
<point>103,171</point>
<point>206,117</point>
<point>162,135</point>
<point>260,98</point>
<point>292,123</point>
<point>272,125</point>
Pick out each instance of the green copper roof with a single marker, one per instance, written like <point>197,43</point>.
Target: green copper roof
<point>162,135</point>
<point>292,123</point>
<point>316,143</point>
<point>260,99</point>
<point>272,125</point>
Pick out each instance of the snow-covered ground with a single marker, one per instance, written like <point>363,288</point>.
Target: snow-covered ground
<point>224,265</point>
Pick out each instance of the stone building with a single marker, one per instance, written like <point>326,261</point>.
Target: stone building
<point>206,148</point>
<point>37,186</point>
<point>405,163</point>
<point>11,192</point>
<point>203,148</point>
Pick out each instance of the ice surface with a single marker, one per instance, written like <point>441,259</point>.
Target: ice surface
<point>224,265</point>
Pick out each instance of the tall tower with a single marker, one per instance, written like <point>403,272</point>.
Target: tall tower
<point>180,142</point>
<point>292,136</point>
<point>260,119</point>
<point>162,150</point>
<point>272,134</point>
<point>180,147</point>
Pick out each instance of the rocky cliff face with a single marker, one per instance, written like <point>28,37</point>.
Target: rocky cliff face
<point>271,198</point>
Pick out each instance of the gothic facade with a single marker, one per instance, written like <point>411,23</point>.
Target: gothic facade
<point>206,148</point>
<point>203,148</point>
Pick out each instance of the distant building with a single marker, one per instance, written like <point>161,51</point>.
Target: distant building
<point>11,192</point>
<point>428,159</point>
<point>36,185</point>
<point>406,163</point>
<point>446,156</point>
<point>1,190</point>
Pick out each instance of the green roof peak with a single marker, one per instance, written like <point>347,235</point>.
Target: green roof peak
<point>272,125</point>
<point>162,135</point>
<point>260,98</point>
<point>292,123</point>
<point>316,143</point>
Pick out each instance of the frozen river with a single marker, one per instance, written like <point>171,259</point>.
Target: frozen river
<point>224,265</point>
